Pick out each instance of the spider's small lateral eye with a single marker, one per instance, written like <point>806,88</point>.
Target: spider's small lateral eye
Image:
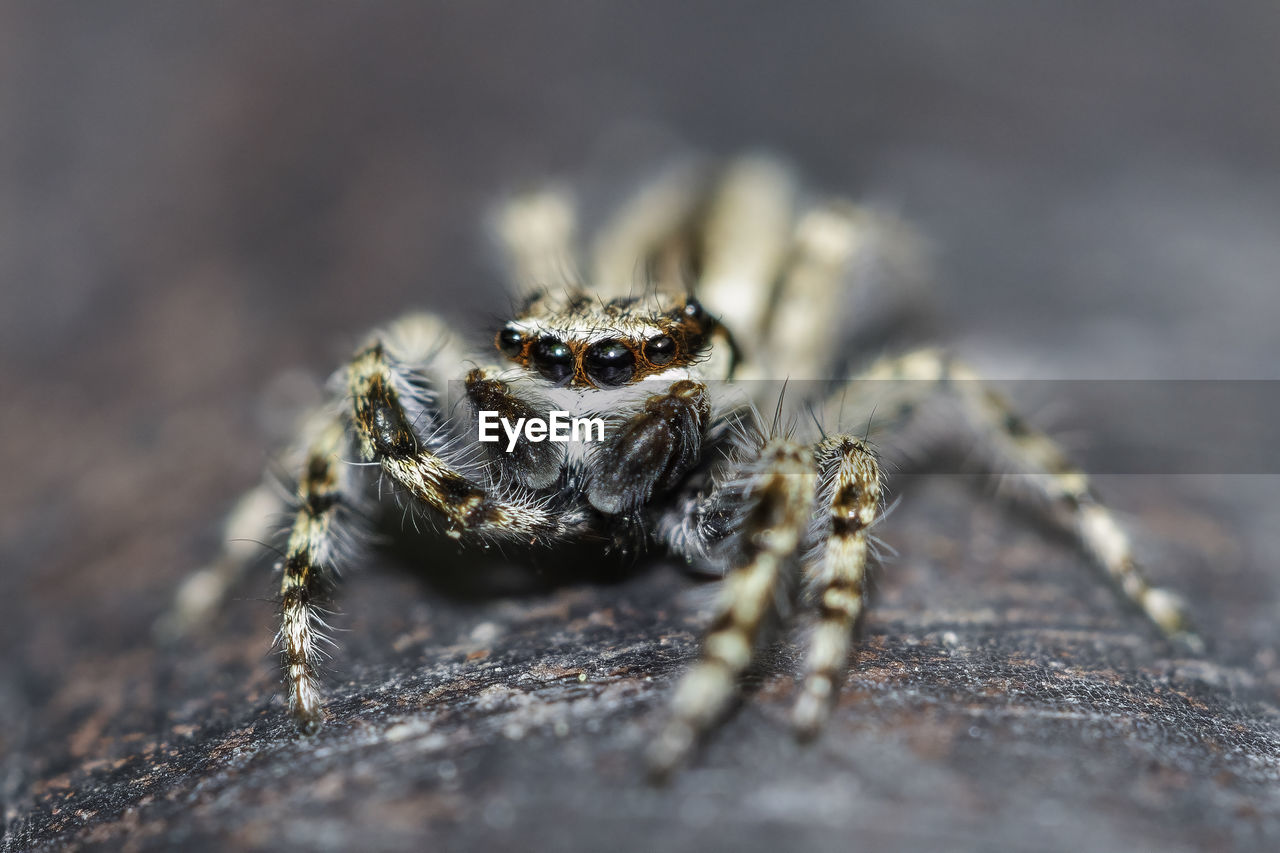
<point>510,341</point>
<point>610,363</point>
<point>694,311</point>
<point>660,350</point>
<point>553,359</point>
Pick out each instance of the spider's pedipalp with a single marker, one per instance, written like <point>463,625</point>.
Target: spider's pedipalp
<point>533,465</point>
<point>652,450</point>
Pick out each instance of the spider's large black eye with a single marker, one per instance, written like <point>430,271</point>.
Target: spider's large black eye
<point>510,341</point>
<point>553,359</point>
<point>609,363</point>
<point>660,350</point>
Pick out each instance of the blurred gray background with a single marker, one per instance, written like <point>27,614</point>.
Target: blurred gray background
<point>195,199</point>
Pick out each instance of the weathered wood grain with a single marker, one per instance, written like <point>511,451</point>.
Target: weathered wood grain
<point>197,201</point>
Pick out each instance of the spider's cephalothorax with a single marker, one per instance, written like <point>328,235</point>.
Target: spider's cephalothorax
<point>744,283</point>
<point>578,340</point>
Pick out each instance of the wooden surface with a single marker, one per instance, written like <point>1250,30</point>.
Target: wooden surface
<point>196,203</point>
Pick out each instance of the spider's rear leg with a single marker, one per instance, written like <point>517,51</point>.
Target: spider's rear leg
<point>776,489</point>
<point>835,571</point>
<point>259,517</point>
<point>251,522</point>
<point>647,239</point>
<point>839,249</point>
<point>744,239</point>
<point>538,232</point>
<point>1034,470</point>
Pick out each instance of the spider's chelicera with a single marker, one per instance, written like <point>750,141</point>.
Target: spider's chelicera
<point>697,294</point>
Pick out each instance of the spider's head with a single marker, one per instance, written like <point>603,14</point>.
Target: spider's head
<point>580,341</point>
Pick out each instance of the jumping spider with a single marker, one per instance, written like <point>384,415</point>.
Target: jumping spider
<point>701,289</point>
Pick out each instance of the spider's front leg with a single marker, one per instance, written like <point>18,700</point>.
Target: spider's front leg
<point>835,570</point>
<point>774,493</point>
<point>324,501</point>
<point>385,434</point>
<point>395,422</point>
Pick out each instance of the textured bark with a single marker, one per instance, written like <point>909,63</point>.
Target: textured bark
<point>198,200</point>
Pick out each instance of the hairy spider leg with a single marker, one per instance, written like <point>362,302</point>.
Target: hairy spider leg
<point>647,241</point>
<point>385,434</point>
<point>1032,469</point>
<point>407,448</point>
<point>537,231</point>
<point>317,543</point>
<point>835,569</point>
<point>777,490</point>
<point>252,521</point>
<point>745,237</point>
